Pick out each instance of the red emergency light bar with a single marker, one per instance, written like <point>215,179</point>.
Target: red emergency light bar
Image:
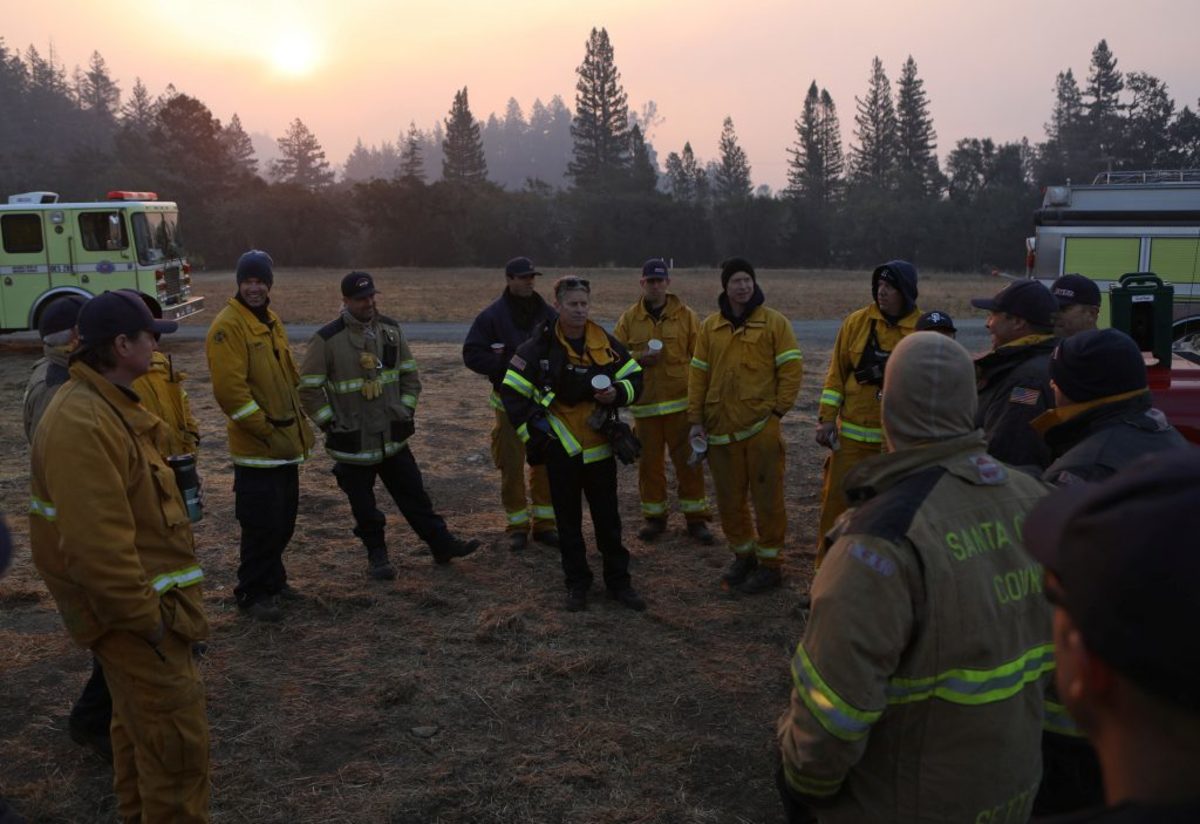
<point>121,195</point>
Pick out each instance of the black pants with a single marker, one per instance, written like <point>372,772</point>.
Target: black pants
<point>402,478</point>
<point>93,708</point>
<point>266,501</point>
<point>570,478</point>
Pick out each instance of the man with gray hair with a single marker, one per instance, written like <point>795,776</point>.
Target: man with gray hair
<point>917,688</point>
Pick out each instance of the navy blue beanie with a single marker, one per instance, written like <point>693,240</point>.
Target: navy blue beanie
<point>731,266</point>
<point>1097,363</point>
<point>256,264</point>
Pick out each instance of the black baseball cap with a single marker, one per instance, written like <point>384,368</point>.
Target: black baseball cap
<point>520,267</point>
<point>1025,299</point>
<point>121,312</point>
<point>655,268</point>
<point>1073,288</point>
<point>935,320</point>
<point>60,315</point>
<point>358,285</point>
<point>1126,559</point>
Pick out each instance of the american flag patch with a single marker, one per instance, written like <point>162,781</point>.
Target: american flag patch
<point>1028,397</point>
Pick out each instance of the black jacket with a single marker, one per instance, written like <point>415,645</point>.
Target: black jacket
<point>496,324</point>
<point>1014,388</point>
<point>1094,444</point>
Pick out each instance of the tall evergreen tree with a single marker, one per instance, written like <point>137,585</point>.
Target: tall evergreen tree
<point>600,130</point>
<point>99,93</point>
<point>686,178</point>
<point>1146,140</point>
<point>643,176</point>
<point>1103,96</point>
<point>462,150</point>
<point>239,146</point>
<point>302,160</point>
<point>916,157</point>
<point>412,162</point>
<point>830,139</point>
<point>732,178</point>
<point>1185,138</point>
<point>806,164</point>
<point>873,159</point>
<point>139,109</point>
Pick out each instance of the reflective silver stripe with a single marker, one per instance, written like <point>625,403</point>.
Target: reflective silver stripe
<point>692,506</point>
<point>543,513</point>
<point>831,397</point>
<point>768,552</point>
<point>740,435</point>
<point>973,687</point>
<point>371,456</point>
<point>246,411</point>
<point>597,453</point>
<point>653,410</point>
<point>699,364</point>
<point>654,507</point>
<point>564,436</point>
<point>494,401</point>
<point>346,387</point>
<point>407,366</point>
<point>389,376</point>
<point>631,367</point>
<point>186,577</point>
<point>44,509</point>
<point>325,413</point>
<point>862,434</point>
<point>409,400</point>
<point>519,517</point>
<point>743,549</point>
<point>787,356</point>
<point>628,387</point>
<point>516,382</point>
<point>312,381</point>
<point>833,713</point>
<point>265,463</point>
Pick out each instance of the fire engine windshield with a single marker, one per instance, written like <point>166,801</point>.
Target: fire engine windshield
<point>157,236</point>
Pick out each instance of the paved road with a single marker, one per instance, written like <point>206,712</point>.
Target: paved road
<point>812,334</point>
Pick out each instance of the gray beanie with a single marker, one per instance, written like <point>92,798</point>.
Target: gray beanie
<point>928,391</point>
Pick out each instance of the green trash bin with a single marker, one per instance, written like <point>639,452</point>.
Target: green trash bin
<point>1141,306</point>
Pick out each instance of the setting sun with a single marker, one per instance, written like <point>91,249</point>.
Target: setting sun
<point>295,53</point>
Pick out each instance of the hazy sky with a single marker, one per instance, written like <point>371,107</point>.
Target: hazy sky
<point>365,68</point>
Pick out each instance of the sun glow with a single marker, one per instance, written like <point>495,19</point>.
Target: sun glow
<point>294,53</point>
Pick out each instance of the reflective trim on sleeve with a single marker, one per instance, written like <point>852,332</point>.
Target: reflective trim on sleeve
<point>568,441</point>
<point>346,387</point>
<point>699,364</point>
<point>494,401</point>
<point>186,577</point>
<point>862,434</point>
<point>628,387</point>
<point>832,397</point>
<point>653,410</point>
<point>833,713</point>
<point>1056,719</point>
<point>654,507</point>
<point>389,376</point>
<point>594,454</point>
<point>517,518</point>
<point>312,381</point>
<point>409,365</point>
<point>740,435</point>
<point>409,400</point>
<point>516,382</point>
<point>631,367</point>
<point>787,356</point>
<point>523,433</point>
<point>43,509</point>
<point>544,400</point>
<point>323,415</point>
<point>974,687</point>
<point>245,412</point>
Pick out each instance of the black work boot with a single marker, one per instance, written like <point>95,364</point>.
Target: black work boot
<point>517,541</point>
<point>628,597</point>
<point>652,528</point>
<point>453,547</point>
<point>760,580</point>
<point>741,567</point>
<point>549,537</point>
<point>378,565</point>
<point>700,533</point>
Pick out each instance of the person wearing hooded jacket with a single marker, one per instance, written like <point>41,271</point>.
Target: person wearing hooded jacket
<point>848,415</point>
<point>255,382</point>
<point>918,687</point>
<point>493,338</point>
<point>746,373</point>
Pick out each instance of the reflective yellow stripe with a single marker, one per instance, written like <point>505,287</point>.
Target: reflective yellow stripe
<point>631,367</point>
<point>324,414</point>
<point>744,434</point>
<point>654,507</point>
<point>523,433</point>
<point>543,513</point>
<point>628,387</point>
<point>516,382</point>
<point>389,376</point>
<point>346,387</point>
<point>818,787</point>
<point>831,397</point>
<point>371,456</point>
<point>691,506</point>
<point>743,549</point>
<point>407,366</point>
<point>186,577</point>
<point>409,400</point>
<point>652,410</point>
<point>494,401</point>
<point>973,687</point>
<point>1056,719</point>
<point>312,381</point>
<point>597,453</point>
<point>246,411</point>
<point>768,553</point>
<point>518,517</point>
<point>787,356</point>
<point>862,434</point>
<point>833,713</point>
<point>569,444</point>
<point>699,364</point>
<point>264,463</point>
<point>44,509</point>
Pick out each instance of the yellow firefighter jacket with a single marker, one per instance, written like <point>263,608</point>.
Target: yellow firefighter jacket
<point>255,382</point>
<point>161,390</point>
<point>359,383</point>
<point>919,686</point>
<point>843,396</point>
<point>739,377</point>
<point>108,527</point>
<point>665,384</point>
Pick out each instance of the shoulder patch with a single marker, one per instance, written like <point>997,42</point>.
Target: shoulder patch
<point>876,562</point>
<point>332,328</point>
<point>1021,394</point>
<point>990,471</point>
<point>517,361</point>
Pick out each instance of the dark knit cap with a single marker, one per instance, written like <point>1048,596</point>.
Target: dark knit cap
<point>60,315</point>
<point>731,266</point>
<point>1126,568</point>
<point>1097,363</point>
<point>901,276</point>
<point>256,264</point>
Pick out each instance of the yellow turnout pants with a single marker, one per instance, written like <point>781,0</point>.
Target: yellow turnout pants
<point>746,471</point>
<point>669,434</point>
<point>833,497</point>
<point>508,454</point>
<point>159,728</point>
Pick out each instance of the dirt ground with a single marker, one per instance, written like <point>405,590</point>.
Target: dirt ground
<point>540,715</point>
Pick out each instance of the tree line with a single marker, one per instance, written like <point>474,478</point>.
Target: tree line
<point>585,187</point>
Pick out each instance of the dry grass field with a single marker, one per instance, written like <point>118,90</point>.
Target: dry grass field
<point>454,694</point>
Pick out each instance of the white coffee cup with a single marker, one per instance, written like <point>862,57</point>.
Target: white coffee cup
<point>654,346</point>
<point>601,382</point>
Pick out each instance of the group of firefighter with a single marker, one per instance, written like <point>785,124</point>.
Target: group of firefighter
<point>919,684</point>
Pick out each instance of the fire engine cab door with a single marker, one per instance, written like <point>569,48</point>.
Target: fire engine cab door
<point>92,252</point>
<point>24,271</point>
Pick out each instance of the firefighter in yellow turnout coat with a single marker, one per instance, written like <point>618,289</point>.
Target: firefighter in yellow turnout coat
<point>745,376</point>
<point>111,538</point>
<point>848,417</point>
<point>661,410</point>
